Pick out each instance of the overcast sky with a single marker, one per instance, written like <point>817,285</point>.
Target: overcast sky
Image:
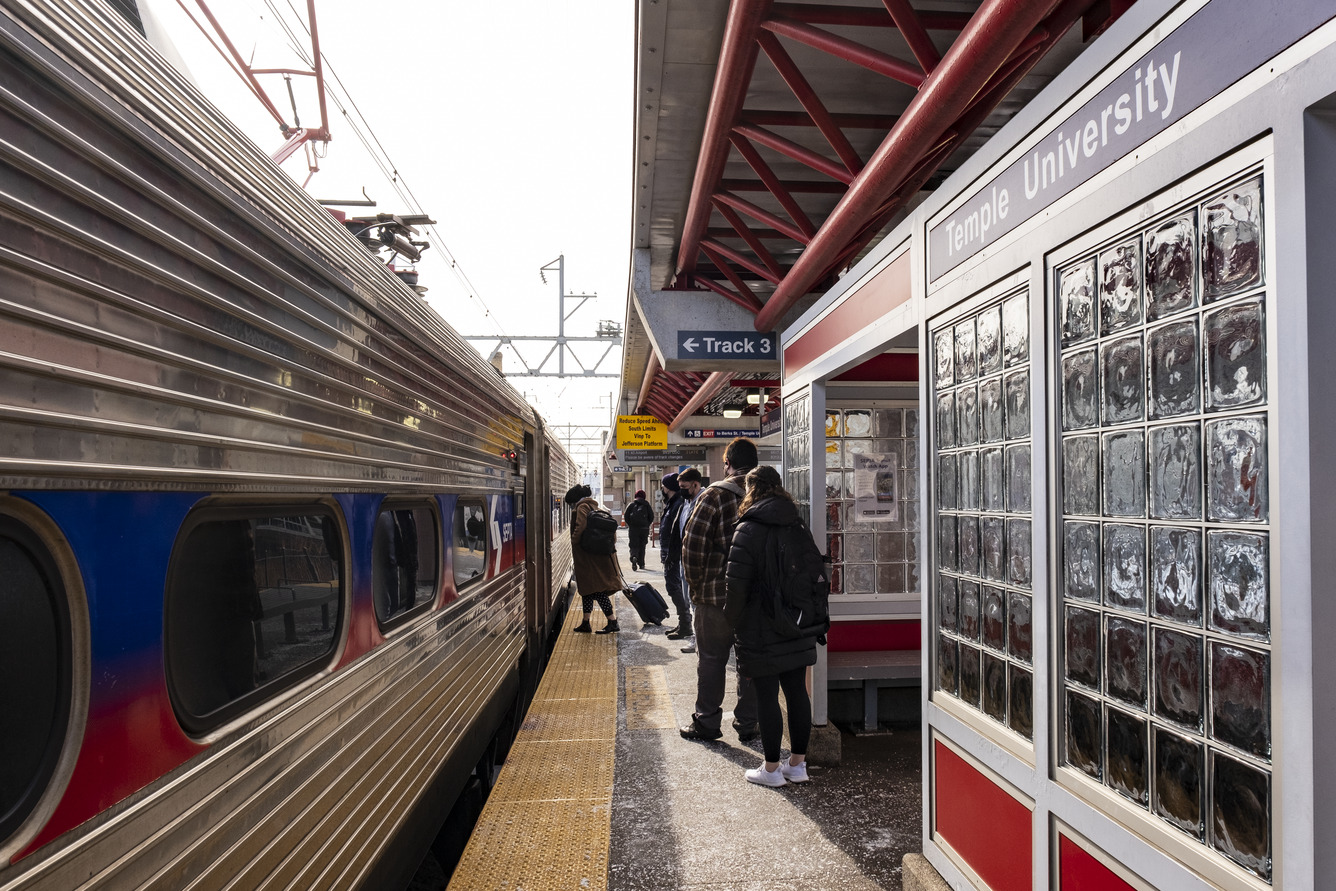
<point>510,122</point>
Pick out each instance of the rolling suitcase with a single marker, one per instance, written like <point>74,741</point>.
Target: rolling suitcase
<point>648,603</point>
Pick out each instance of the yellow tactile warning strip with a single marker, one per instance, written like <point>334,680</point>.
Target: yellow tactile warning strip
<point>648,705</point>
<point>547,823</point>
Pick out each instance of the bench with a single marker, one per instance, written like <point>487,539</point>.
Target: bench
<point>874,669</point>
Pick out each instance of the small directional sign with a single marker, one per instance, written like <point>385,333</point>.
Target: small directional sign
<point>715,345</point>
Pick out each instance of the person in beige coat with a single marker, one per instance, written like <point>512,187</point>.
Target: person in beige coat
<point>597,576</point>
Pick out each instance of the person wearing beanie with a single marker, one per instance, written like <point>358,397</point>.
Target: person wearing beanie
<point>597,576</point>
<point>670,552</point>
<point>639,517</point>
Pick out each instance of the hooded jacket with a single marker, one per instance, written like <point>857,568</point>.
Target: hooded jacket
<point>594,573</point>
<point>751,593</point>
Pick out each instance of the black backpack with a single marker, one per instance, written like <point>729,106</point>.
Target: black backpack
<point>600,533</point>
<point>803,608</point>
<point>639,513</point>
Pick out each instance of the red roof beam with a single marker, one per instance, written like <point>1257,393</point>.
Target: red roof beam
<point>810,186</point>
<point>848,50</point>
<point>741,229</point>
<point>662,409</point>
<point>652,369</point>
<point>764,216</point>
<point>773,183</point>
<point>802,119</point>
<point>912,30</point>
<point>740,259</point>
<point>707,391</point>
<point>727,294</point>
<point>862,16</point>
<point>749,299</point>
<point>807,96</point>
<point>800,153</point>
<point>737,60</point>
<point>996,31</point>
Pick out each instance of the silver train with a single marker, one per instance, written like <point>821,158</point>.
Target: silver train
<point>280,554</point>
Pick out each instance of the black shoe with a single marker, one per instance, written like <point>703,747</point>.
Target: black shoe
<point>678,633</point>
<point>582,628</point>
<point>747,732</point>
<point>611,628</point>
<point>695,731</point>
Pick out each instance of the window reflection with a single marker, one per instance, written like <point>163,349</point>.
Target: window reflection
<point>404,556</point>
<point>251,601</point>
<point>470,541</point>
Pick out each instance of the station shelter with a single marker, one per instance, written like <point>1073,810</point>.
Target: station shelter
<point>1119,314</point>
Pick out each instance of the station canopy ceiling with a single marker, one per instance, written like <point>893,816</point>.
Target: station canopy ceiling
<point>777,142</point>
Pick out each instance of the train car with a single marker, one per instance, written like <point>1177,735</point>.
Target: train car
<point>279,552</point>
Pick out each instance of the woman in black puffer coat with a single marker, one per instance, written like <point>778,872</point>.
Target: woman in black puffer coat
<point>769,659</point>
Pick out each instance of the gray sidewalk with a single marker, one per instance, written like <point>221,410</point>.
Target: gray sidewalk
<point>684,817</point>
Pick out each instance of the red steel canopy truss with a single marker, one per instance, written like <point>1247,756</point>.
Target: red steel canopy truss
<point>765,240</point>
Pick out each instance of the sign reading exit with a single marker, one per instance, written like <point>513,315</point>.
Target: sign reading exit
<point>725,345</point>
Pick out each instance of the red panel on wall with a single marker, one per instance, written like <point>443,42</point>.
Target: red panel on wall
<point>884,367</point>
<point>850,637</point>
<point>986,826</point>
<point>1078,870</point>
<point>887,290</point>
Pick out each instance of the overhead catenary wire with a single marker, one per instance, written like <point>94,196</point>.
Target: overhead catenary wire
<point>379,155</point>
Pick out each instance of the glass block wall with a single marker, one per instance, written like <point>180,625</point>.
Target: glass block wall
<point>797,425</point>
<point>1163,494</point>
<point>877,556</point>
<point>982,458</point>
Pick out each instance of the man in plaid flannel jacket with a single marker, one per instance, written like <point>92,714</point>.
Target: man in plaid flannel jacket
<point>705,544</point>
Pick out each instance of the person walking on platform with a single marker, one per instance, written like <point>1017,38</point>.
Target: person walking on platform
<point>597,576</point>
<point>639,517</point>
<point>766,518</point>
<point>690,481</point>
<point>705,546</point>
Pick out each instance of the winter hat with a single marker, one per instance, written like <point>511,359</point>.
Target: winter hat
<point>670,481</point>
<point>640,493</point>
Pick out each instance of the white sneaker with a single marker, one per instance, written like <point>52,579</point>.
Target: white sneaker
<point>794,773</point>
<point>762,777</point>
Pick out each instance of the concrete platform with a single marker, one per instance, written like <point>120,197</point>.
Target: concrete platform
<point>629,804</point>
<point>683,816</point>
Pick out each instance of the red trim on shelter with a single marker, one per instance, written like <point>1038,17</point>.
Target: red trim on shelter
<point>887,290</point>
<point>990,830</point>
<point>1078,870</point>
<point>853,637</point>
<point>884,367</point>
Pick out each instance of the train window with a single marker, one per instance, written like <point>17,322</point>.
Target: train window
<point>35,671</point>
<point>254,604</point>
<point>470,541</point>
<point>405,556</point>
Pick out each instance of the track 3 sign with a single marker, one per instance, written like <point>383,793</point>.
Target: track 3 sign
<point>747,345</point>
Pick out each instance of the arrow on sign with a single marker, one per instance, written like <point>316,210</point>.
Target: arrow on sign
<point>689,344</point>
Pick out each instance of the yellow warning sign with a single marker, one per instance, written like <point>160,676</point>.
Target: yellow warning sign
<point>641,432</point>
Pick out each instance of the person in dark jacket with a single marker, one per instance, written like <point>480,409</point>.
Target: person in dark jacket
<point>639,517</point>
<point>597,576</point>
<point>769,659</point>
<point>670,552</point>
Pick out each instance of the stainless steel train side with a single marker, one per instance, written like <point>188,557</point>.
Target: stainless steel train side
<point>179,322</point>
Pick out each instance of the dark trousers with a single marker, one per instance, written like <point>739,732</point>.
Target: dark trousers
<point>714,642</point>
<point>638,536</point>
<point>672,580</point>
<point>794,682</point>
